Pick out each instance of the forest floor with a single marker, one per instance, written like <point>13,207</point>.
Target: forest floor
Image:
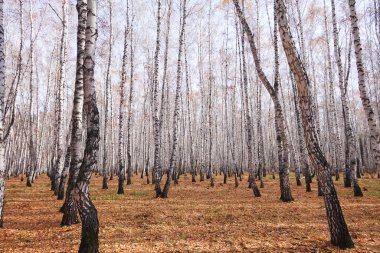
<point>195,218</point>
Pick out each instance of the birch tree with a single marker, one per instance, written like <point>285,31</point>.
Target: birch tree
<point>87,210</point>
<point>107,102</point>
<point>69,208</point>
<point>173,154</point>
<point>2,98</point>
<point>352,155</point>
<point>123,81</point>
<point>337,224</point>
<point>373,129</point>
<point>130,106</point>
<point>32,152</point>
<point>157,169</point>
<point>282,143</point>
<point>61,97</point>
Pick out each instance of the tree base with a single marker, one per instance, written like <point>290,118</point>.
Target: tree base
<point>70,216</point>
<point>61,189</point>
<point>308,187</point>
<point>28,182</point>
<point>104,184</point>
<point>120,189</point>
<point>286,197</point>
<point>358,191</point>
<point>345,243</point>
<point>256,191</point>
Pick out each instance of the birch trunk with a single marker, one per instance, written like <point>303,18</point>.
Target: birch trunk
<point>338,227</point>
<point>189,110</point>
<point>2,99</point>
<point>210,79</point>
<point>107,102</point>
<point>301,139</point>
<point>121,162</point>
<point>157,168</point>
<point>32,152</point>
<point>61,97</point>
<point>130,107</point>
<point>87,211</point>
<point>173,154</point>
<point>281,138</point>
<point>248,121</point>
<point>373,130</point>
<point>352,154</point>
<point>70,207</point>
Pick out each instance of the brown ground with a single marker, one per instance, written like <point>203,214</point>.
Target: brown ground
<point>195,218</point>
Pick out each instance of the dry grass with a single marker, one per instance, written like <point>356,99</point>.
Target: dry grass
<point>195,218</point>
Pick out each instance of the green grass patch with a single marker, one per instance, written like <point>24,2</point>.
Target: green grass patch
<point>139,194</point>
<point>23,239</point>
<point>107,196</point>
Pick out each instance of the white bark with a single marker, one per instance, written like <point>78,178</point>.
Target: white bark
<point>2,98</point>
<point>373,129</point>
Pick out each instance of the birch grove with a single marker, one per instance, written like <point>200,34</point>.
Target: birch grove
<point>168,94</point>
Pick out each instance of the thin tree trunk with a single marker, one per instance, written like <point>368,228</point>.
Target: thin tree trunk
<point>2,99</point>
<point>352,154</point>
<point>120,189</point>
<point>188,88</point>
<point>157,167</point>
<point>61,97</point>
<point>282,143</point>
<point>32,152</point>
<point>130,107</point>
<point>373,130</point>
<point>210,79</point>
<point>248,121</point>
<point>172,161</point>
<point>107,89</point>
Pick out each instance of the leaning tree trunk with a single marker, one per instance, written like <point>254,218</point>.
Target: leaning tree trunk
<point>343,97</point>
<point>349,135</point>
<point>283,155</point>
<point>87,211</point>
<point>301,139</point>
<point>338,227</point>
<point>374,132</point>
<point>248,123</point>
<point>172,161</point>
